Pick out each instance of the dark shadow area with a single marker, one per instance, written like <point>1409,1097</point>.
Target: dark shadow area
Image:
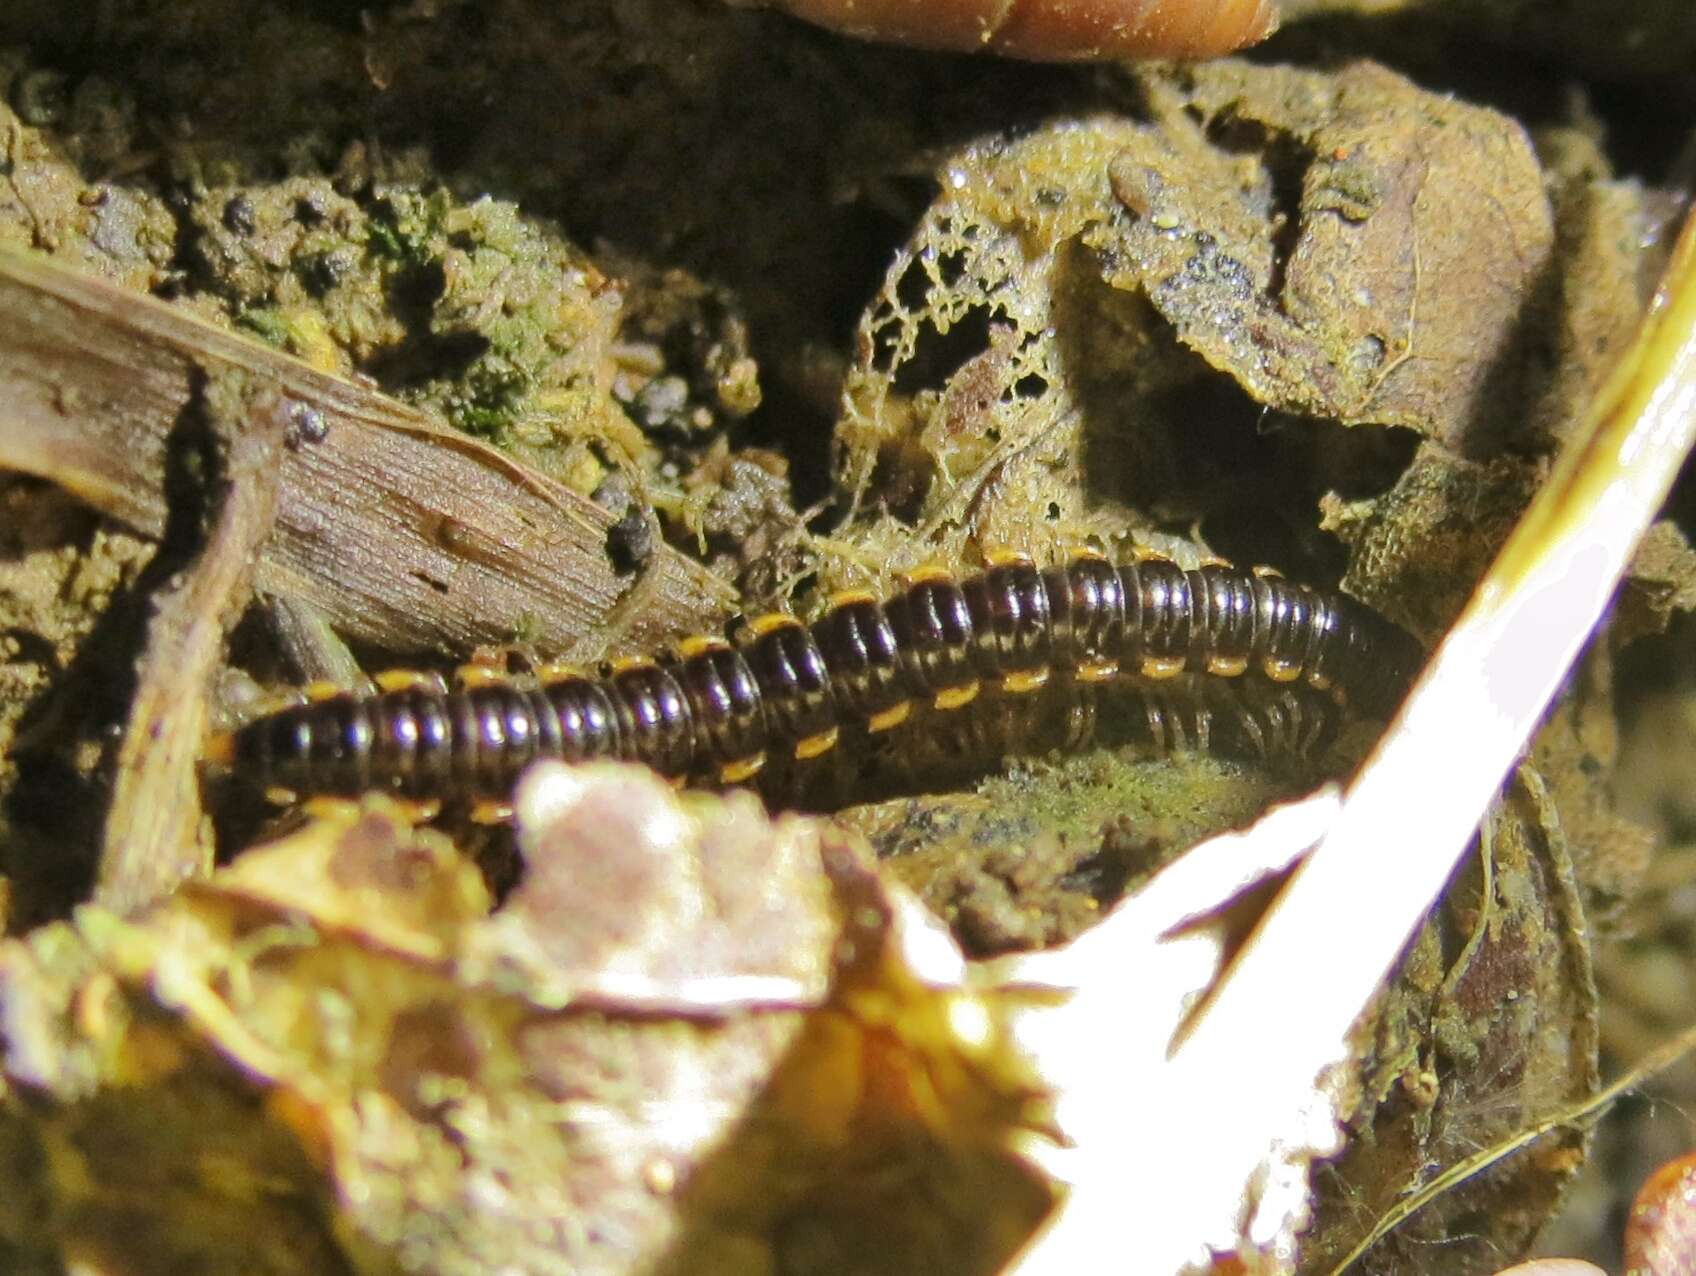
<point>59,801</point>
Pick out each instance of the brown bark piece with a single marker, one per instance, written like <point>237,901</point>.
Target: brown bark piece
<point>407,536</point>
<point>153,828</point>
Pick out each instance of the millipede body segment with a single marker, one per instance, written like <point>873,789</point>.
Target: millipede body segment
<point>717,709</point>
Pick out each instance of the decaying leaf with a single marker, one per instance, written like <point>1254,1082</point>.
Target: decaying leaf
<point>1490,1026</point>
<point>1395,298</point>
<point>690,1040</point>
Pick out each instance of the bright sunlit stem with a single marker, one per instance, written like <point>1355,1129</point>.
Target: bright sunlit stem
<point>1309,971</point>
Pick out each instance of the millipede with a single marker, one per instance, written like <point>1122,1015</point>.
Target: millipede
<point>716,709</point>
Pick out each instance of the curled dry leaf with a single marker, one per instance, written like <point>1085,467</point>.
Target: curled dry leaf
<point>1421,233</point>
<point>692,1040</point>
<point>1361,303</point>
<point>1050,30</point>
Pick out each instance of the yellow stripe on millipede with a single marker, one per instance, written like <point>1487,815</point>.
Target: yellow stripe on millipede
<point>846,597</point>
<point>1022,681</point>
<point>816,745</point>
<point>891,717</point>
<point>700,644</point>
<point>956,697</point>
<point>760,626</point>
<point>552,671</point>
<point>927,574</point>
<point>742,769</point>
<point>408,680</point>
<point>471,676</point>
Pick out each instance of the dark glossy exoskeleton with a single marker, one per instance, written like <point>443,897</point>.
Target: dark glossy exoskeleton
<point>714,709</point>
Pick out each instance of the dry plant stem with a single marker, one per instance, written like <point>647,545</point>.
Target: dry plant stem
<point>1586,1113</point>
<point>1349,910</point>
<point>152,837</point>
<point>1252,1058</point>
<point>1104,1048</point>
<point>1052,30</point>
<point>309,642</point>
<point>405,535</point>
